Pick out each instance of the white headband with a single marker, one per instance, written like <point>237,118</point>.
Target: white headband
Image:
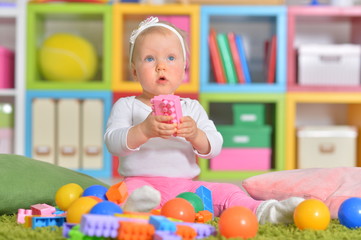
<point>153,22</point>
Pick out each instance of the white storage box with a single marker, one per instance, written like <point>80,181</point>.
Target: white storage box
<point>326,146</point>
<point>334,64</point>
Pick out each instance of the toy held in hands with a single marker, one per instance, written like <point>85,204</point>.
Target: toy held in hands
<point>167,105</point>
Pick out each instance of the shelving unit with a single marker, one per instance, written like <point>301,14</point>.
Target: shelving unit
<point>256,24</point>
<point>336,109</point>
<point>126,17</point>
<point>13,37</point>
<point>320,25</point>
<point>92,22</point>
<point>275,118</point>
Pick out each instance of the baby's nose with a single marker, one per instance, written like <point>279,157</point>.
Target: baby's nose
<point>160,66</point>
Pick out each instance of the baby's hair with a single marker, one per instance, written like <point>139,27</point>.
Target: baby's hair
<point>161,30</point>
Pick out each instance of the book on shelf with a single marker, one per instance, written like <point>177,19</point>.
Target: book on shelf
<point>215,57</point>
<point>243,57</point>
<point>236,58</point>
<point>271,59</point>
<point>226,57</point>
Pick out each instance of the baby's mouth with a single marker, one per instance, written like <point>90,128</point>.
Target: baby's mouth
<point>162,79</point>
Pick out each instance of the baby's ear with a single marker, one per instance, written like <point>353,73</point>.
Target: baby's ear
<point>133,72</point>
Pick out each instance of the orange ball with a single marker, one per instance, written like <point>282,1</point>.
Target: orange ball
<point>312,214</point>
<point>238,222</point>
<point>179,208</point>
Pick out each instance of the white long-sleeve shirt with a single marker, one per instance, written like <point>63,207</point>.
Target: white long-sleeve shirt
<point>173,157</point>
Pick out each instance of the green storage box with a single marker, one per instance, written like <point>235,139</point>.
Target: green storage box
<point>248,114</point>
<point>236,136</point>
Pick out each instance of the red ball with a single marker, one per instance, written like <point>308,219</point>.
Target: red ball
<point>238,222</point>
<point>179,208</point>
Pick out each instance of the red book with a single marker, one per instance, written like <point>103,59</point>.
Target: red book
<point>215,56</point>
<point>271,60</point>
<point>236,58</point>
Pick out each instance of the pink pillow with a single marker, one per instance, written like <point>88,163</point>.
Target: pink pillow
<point>330,185</point>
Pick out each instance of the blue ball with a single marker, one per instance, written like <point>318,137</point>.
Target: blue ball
<point>106,208</point>
<point>97,191</point>
<point>349,213</point>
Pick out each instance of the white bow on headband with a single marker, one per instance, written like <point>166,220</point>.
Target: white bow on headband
<point>153,22</point>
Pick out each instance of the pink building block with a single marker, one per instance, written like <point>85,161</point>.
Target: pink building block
<point>168,105</point>
<point>42,209</point>
<point>6,68</point>
<point>242,159</point>
<point>22,213</point>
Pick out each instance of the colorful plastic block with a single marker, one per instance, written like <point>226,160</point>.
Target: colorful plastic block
<point>99,225</point>
<point>203,230</point>
<point>66,229</point>
<point>22,213</point>
<point>135,231</point>
<point>42,209</point>
<point>168,105</point>
<point>186,232</point>
<point>204,216</point>
<point>161,223</point>
<point>47,221</point>
<point>164,235</point>
<point>206,195</point>
<point>117,193</point>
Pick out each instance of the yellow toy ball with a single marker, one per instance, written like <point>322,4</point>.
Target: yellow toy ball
<point>79,207</point>
<point>67,58</point>
<point>312,214</point>
<point>67,194</point>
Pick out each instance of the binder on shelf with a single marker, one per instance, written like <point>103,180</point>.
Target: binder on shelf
<point>242,54</point>
<point>226,57</point>
<point>271,55</point>
<point>236,58</point>
<point>215,57</point>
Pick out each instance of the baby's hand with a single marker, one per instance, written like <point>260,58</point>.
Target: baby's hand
<point>156,126</point>
<point>187,128</point>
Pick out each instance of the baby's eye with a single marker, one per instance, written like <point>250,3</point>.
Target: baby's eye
<point>171,58</point>
<point>149,59</point>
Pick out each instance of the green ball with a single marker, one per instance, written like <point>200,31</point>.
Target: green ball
<point>194,199</point>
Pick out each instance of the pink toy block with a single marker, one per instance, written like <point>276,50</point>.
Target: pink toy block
<point>42,209</point>
<point>22,213</point>
<point>242,159</point>
<point>167,105</point>
<point>6,68</point>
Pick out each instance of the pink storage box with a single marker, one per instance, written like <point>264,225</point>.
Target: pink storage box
<point>6,68</point>
<point>242,159</point>
<point>6,140</point>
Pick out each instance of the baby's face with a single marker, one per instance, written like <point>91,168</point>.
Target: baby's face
<point>158,63</point>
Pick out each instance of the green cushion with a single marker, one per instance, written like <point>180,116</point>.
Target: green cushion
<point>25,182</point>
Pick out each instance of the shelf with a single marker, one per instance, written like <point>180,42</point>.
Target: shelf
<point>256,24</point>
<point>344,110</point>
<point>126,17</point>
<point>320,25</point>
<point>66,128</point>
<point>275,118</point>
<point>91,22</point>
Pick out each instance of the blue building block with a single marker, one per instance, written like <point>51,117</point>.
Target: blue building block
<point>161,223</point>
<point>206,195</point>
<point>47,221</point>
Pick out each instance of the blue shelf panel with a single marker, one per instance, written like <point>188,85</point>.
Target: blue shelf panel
<point>273,16</point>
<point>105,96</point>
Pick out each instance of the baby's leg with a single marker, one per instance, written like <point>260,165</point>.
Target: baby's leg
<point>227,195</point>
<point>142,196</point>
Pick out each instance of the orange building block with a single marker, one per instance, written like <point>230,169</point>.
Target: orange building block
<point>117,193</point>
<point>203,216</point>
<point>186,232</point>
<point>135,231</point>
